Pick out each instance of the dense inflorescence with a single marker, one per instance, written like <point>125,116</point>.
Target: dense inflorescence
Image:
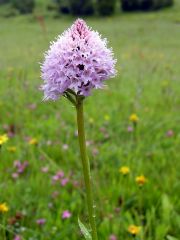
<point>78,60</point>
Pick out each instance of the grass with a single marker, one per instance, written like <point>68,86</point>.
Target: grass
<point>146,46</point>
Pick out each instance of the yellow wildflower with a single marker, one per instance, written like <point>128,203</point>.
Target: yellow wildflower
<point>3,138</point>
<point>141,180</point>
<point>33,141</point>
<point>91,120</point>
<point>107,117</point>
<point>134,118</point>
<point>134,230</point>
<point>124,170</point>
<point>11,149</point>
<point>4,208</point>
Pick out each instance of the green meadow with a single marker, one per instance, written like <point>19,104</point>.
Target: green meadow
<point>43,140</point>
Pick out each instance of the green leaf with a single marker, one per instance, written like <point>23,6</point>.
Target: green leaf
<point>167,209</point>
<point>84,230</point>
<point>171,238</point>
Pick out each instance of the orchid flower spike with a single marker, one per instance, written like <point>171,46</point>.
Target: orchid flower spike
<point>77,62</point>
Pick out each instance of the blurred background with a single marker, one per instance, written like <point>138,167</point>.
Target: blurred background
<point>132,126</point>
<point>81,7</point>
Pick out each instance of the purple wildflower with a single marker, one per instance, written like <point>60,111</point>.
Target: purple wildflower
<point>78,60</point>
<point>15,175</point>
<point>41,221</point>
<point>130,129</point>
<point>17,164</point>
<point>170,133</point>
<point>20,167</point>
<point>112,237</point>
<point>55,178</point>
<point>66,214</point>
<point>59,175</point>
<point>64,181</point>
<point>17,237</point>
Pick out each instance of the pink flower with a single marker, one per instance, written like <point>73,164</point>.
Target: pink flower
<point>170,133</point>
<point>17,163</point>
<point>64,181</point>
<point>20,167</point>
<point>59,175</point>
<point>44,169</point>
<point>55,178</point>
<point>78,60</point>
<point>66,214</point>
<point>15,175</point>
<point>41,221</point>
<point>17,237</point>
<point>112,237</point>
<point>130,129</point>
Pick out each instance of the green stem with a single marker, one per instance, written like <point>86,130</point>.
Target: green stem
<point>86,168</point>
